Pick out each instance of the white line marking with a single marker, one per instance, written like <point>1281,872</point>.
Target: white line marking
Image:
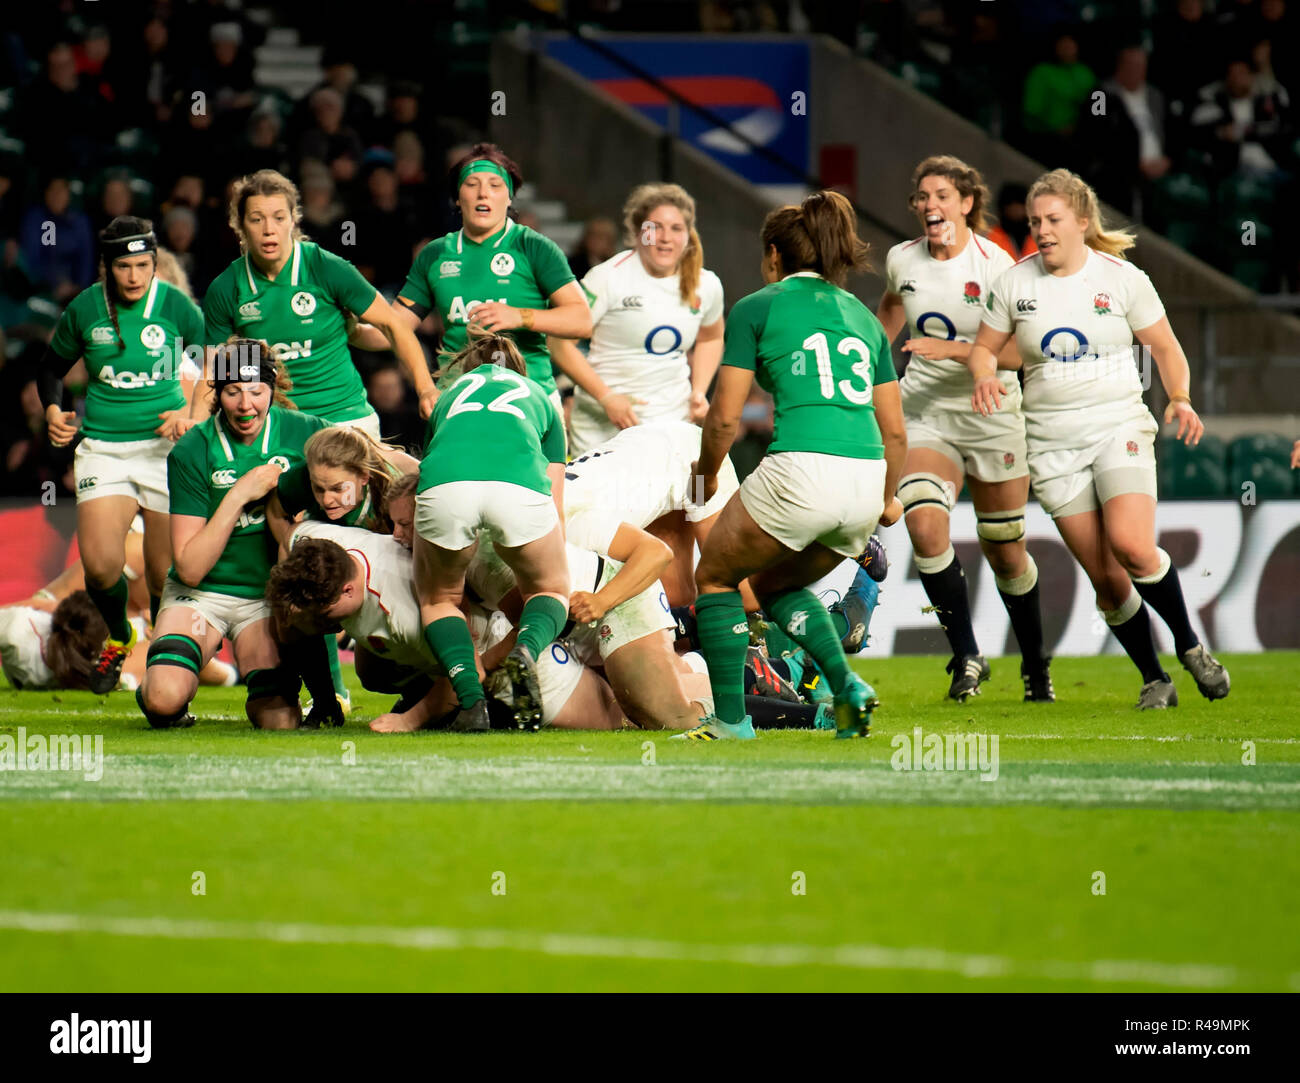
<point>844,956</point>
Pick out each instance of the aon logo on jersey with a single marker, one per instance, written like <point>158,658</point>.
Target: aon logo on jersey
<point>460,309</point>
<point>126,379</point>
<point>251,517</point>
<point>291,351</point>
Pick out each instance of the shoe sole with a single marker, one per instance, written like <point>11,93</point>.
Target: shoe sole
<point>1214,691</point>
<point>486,727</point>
<point>525,693</point>
<point>863,726</point>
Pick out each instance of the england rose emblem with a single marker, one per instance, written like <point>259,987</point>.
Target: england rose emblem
<point>1101,304</point>
<point>972,294</point>
<point>1131,447</point>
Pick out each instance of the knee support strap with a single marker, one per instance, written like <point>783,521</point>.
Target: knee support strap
<point>925,491</point>
<point>175,650</point>
<point>1000,526</point>
<point>280,681</point>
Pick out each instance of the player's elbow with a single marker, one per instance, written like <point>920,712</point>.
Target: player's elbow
<point>662,554</point>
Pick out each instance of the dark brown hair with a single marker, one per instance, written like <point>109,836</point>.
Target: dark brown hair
<point>311,578</point>
<point>265,182</point>
<point>965,178</point>
<point>77,632</point>
<point>124,225</point>
<point>821,234</point>
<point>486,349</point>
<point>492,153</point>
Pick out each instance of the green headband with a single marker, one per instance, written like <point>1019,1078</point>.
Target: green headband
<point>482,165</point>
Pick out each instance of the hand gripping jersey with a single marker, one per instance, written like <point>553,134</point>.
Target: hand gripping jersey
<point>819,352</point>
<point>643,332</point>
<point>1075,335</point>
<point>201,469</point>
<point>130,387</point>
<point>945,299</point>
<point>493,425</point>
<point>302,315</point>
<point>517,266</point>
<point>388,622</point>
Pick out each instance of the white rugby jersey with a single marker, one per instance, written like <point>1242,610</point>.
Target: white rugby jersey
<point>945,299</point>
<point>635,477</point>
<point>643,330</point>
<point>1075,335</point>
<point>388,622</point>
<point>23,635</point>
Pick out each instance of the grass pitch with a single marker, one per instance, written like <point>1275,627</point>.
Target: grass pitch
<point>217,858</point>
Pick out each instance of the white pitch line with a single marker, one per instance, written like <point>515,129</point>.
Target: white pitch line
<point>844,956</point>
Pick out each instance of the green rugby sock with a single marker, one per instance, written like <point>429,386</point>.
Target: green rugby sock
<point>450,641</point>
<point>804,619</point>
<point>111,604</point>
<point>724,641</point>
<point>336,672</point>
<point>540,622</point>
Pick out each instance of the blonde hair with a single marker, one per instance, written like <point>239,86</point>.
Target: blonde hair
<point>821,234</point>
<point>641,203</point>
<point>404,486</point>
<point>265,182</point>
<point>965,178</point>
<point>483,348</point>
<point>169,269</point>
<point>1080,197</point>
<point>342,448</point>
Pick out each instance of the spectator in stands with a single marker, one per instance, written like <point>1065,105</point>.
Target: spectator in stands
<point>403,112</point>
<point>433,216</point>
<point>322,214</point>
<point>599,242</point>
<point>263,148</point>
<point>57,244</point>
<point>1187,45</point>
<point>1012,234</point>
<point>356,112</point>
<point>1128,138</point>
<point>150,81</point>
<point>1055,91</point>
<point>727,16</point>
<point>115,198</point>
<point>227,73</point>
<point>328,139</point>
<point>1240,130</point>
<point>390,395</point>
<point>180,229</point>
<point>59,120</point>
<point>384,228</point>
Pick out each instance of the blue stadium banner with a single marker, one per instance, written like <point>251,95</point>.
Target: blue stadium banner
<point>760,87</point>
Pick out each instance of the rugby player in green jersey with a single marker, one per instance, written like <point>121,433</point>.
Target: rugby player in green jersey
<point>495,462</point>
<point>497,275</point>
<point>830,473</point>
<point>132,329</point>
<point>297,296</point>
<point>219,475</point>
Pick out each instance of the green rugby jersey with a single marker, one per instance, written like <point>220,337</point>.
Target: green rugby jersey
<point>302,315</point>
<point>130,387</point>
<point>202,467</point>
<point>516,265</point>
<point>295,493</point>
<point>493,425</point>
<point>818,351</point>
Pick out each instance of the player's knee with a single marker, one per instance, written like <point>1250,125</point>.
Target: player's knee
<point>927,501</point>
<point>271,687</point>
<point>164,696</point>
<point>1134,557</point>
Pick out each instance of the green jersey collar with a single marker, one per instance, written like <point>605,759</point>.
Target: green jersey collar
<point>460,236</point>
<point>220,420</point>
<point>360,512</point>
<point>804,274</point>
<point>295,265</point>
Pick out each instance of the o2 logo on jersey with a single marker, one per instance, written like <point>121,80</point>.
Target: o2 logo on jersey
<point>303,303</point>
<point>502,263</point>
<point>152,336</point>
<point>1065,344</point>
<point>559,655</point>
<point>223,479</point>
<point>656,337</point>
<point>279,460</point>
<point>950,329</point>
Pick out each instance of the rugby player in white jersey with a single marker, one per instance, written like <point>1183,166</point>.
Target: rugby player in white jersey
<point>1075,309</point>
<point>657,315</point>
<point>936,285</point>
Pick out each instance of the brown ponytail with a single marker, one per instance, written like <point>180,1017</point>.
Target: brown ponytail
<point>820,235</point>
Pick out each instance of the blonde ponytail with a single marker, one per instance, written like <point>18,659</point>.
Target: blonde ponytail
<point>1080,197</point>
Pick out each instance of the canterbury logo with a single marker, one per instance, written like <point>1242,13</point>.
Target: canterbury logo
<point>1026,304</point>
<point>456,669</point>
<point>740,629</point>
<point>223,478</point>
<point>251,310</point>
